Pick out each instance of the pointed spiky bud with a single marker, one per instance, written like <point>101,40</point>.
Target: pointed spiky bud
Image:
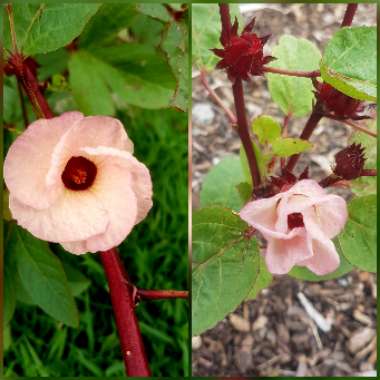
<point>350,162</point>
<point>242,55</point>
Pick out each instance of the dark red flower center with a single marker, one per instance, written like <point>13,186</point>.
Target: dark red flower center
<point>79,173</point>
<point>295,220</point>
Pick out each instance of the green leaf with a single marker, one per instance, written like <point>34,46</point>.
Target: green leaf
<point>220,184</point>
<point>41,28</point>
<point>157,11</point>
<point>358,239</point>
<point>285,147</point>
<point>42,274</point>
<point>206,28</point>
<point>293,94</point>
<point>245,191</point>
<point>366,185</point>
<point>302,273</point>
<point>262,161</point>
<point>349,62</point>
<point>266,128</point>
<point>99,87</point>
<point>175,46</point>
<point>262,281</point>
<point>225,266</point>
<point>107,23</point>
<point>77,281</point>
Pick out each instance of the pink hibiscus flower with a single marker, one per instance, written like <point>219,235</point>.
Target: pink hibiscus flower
<point>73,180</point>
<point>298,225</point>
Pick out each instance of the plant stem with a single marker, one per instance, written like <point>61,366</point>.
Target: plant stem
<point>237,89</point>
<point>315,116</point>
<point>161,294</point>
<point>22,102</point>
<point>293,73</point>
<point>122,297</point>
<point>243,131</point>
<point>216,98</point>
<point>225,18</point>
<point>353,125</point>
<point>349,15</point>
<point>333,178</point>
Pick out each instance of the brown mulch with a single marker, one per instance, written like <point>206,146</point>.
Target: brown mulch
<point>275,335</point>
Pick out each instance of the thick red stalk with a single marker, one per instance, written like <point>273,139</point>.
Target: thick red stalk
<point>312,122</point>
<point>123,302</point>
<point>349,15</point>
<point>238,93</point>
<point>243,131</point>
<point>293,73</point>
<point>161,294</point>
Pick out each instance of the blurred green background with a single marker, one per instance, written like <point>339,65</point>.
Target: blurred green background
<point>140,44</point>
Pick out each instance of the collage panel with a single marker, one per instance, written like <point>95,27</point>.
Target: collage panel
<point>284,156</point>
<point>95,234</point>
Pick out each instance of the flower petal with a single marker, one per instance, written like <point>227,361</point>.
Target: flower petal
<point>282,254</point>
<point>262,215</point>
<point>76,215</point>
<point>332,214</point>
<point>141,182</point>
<point>91,131</point>
<point>113,188</point>
<point>325,258</point>
<point>28,161</point>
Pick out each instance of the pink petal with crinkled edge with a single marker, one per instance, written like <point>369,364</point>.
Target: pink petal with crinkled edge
<point>262,215</point>
<point>307,187</point>
<point>114,189</point>
<point>29,159</point>
<point>76,215</point>
<point>325,258</point>
<point>332,214</point>
<point>141,182</point>
<point>282,254</point>
<point>91,131</point>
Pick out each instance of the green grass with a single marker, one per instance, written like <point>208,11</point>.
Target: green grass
<point>156,257</point>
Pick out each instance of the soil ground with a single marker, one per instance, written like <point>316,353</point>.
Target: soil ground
<point>274,335</point>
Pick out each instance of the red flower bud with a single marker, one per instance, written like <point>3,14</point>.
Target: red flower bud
<point>242,55</point>
<point>338,103</point>
<point>350,162</point>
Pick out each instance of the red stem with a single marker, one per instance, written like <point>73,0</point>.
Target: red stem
<point>243,131</point>
<point>161,294</point>
<point>349,15</point>
<point>237,89</point>
<point>333,178</point>
<point>315,117</point>
<point>293,73</point>
<point>123,303</point>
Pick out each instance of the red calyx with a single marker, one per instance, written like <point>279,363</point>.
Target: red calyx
<point>338,103</point>
<point>350,162</point>
<point>242,55</point>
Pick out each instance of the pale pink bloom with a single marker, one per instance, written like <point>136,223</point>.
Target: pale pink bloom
<point>73,180</point>
<point>298,225</point>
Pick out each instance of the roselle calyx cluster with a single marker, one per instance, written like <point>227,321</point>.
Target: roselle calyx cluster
<point>349,162</point>
<point>242,55</point>
<point>337,103</point>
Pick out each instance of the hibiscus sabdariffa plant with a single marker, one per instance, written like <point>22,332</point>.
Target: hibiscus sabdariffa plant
<point>271,220</point>
<point>74,180</point>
